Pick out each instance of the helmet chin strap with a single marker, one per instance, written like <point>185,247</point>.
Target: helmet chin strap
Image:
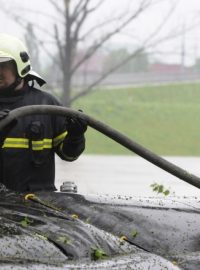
<point>9,90</point>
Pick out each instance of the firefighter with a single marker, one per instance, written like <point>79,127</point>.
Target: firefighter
<point>29,144</point>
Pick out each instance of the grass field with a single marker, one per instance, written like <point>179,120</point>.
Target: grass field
<point>164,119</point>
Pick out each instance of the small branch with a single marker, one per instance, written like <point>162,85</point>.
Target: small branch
<point>54,59</point>
<point>96,6</point>
<point>163,23</point>
<point>23,22</point>
<point>80,14</point>
<point>60,49</point>
<point>56,6</point>
<point>44,14</point>
<point>93,49</point>
<point>79,22</point>
<point>106,74</point>
<point>77,10</point>
<point>98,26</point>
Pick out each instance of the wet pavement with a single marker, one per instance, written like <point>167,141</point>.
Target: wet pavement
<point>124,175</point>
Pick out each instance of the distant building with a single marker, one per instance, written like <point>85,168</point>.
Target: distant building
<point>94,64</point>
<point>166,68</point>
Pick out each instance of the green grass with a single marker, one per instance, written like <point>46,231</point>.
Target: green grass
<point>164,119</point>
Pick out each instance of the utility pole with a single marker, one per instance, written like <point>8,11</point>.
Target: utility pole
<point>195,55</point>
<point>183,49</point>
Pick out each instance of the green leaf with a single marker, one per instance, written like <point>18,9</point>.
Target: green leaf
<point>99,253</point>
<point>64,239</point>
<point>134,233</point>
<point>156,188</point>
<point>166,192</point>
<point>160,189</point>
<point>26,222</point>
<point>88,220</point>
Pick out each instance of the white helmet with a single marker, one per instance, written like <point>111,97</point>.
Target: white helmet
<point>11,48</point>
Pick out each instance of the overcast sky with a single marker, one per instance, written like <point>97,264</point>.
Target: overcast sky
<point>187,12</point>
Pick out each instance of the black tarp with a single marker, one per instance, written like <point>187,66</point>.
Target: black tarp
<point>167,227</point>
<point>69,231</point>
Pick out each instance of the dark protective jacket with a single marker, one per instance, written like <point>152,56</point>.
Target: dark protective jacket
<point>27,160</point>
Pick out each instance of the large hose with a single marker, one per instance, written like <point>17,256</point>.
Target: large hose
<point>109,132</point>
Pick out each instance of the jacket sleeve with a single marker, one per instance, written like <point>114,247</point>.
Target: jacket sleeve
<point>71,148</point>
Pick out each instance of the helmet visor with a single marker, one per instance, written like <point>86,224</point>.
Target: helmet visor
<point>5,59</point>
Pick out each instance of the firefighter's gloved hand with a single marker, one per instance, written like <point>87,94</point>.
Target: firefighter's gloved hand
<point>76,127</point>
<point>74,143</point>
<point>4,113</point>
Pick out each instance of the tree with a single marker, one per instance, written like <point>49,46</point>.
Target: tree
<point>69,33</point>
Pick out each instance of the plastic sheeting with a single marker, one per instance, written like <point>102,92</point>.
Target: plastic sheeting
<point>69,231</point>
